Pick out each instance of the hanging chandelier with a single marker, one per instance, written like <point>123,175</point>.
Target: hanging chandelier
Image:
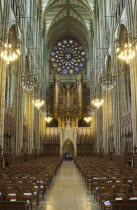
<point>48,119</point>
<point>38,103</point>
<point>97,102</point>
<point>87,119</point>
<point>43,111</point>
<point>97,97</point>
<point>10,54</point>
<point>91,113</point>
<point>126,52</point>
<point>27,82</point>
<point>108,82</point>
<point>91,110</point>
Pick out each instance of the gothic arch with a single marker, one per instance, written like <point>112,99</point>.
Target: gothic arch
<point>68,147</point>
<point>68,133</point>
<point>78,31</point>
<point>13,34</point>
<point>121,32</point>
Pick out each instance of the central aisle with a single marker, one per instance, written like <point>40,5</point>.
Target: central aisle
<point>68,191</point>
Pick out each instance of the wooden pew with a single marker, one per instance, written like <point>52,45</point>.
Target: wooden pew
<point>124,205</point>
<point>14,205</point>
<point>33,176</point>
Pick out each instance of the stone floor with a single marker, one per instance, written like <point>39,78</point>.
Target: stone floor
<point>68,191</point>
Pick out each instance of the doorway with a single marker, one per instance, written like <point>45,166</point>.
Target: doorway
<point>68,150</point>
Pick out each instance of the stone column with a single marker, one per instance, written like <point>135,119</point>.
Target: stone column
<point>133,77</point>
<point>64,98</point>
<point>42,130</point>
<point>4,30</point>
<point>99,130</point>
<point>61,140</point>
<point>68,96</point>
<point>18,115</point>
<point>80,91</point>
<point>105,123</point>
<point>117,119</point>
<point>37,122</point>
<point>2,100</point>
<point>106,120</point>
<point>56,92</point>
<point>71,98</point>
<point>75,141</point>
<point>30,123</point>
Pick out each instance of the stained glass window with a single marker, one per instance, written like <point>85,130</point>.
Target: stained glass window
<point>68,56</point>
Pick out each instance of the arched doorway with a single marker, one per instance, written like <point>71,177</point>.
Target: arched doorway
<point>68,150</point>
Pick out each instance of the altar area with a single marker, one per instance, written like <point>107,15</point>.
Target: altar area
<point>79,137</point>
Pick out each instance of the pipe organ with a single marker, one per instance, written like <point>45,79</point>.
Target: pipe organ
<point>68,104</point>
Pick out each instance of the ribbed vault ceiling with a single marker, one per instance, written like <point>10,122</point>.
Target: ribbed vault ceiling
<point>68,17</point>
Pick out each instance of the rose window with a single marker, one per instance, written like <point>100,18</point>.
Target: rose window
<point>68,56</point>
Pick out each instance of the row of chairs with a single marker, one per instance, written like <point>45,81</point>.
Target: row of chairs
<point>108,180</point>
<point>27,181</point>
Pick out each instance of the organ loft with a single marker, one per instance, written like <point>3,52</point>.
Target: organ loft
<point>68,104</point>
